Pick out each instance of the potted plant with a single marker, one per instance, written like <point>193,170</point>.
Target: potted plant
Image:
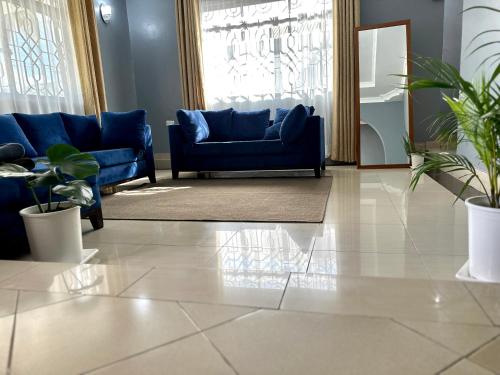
<point>416,156</point>
<point>474,117</point>
<point>54,228</point>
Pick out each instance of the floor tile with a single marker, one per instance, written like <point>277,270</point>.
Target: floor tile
<point>277,342</point>
<point>488,356</point>
<point>170,256</point>
<point>466,367</point>
<point>208,315</point>
<point>8,300</point>
<point>110,253</point>
<point>439,239</point>
<point>10,268</point>
<point>443,301</point>
<point>488,295</point>
<point>365,213</point>
<point>364,238</point>
<point>211,286</point>
<point>443,267</point>
<point>261,259</point>
<point>367,264</point>
<point>29,300</point>
<point>190,356</point>
<point>84,333</point>
<point>161,232</point>
<point>280,238</point>
<point>461,338</point>
<point>81,279</point>
<point>6,325</point>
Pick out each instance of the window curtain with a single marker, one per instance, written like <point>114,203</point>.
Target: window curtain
<point>190,53</point>
<point>345,19</point>
<point>88,55</point>
<point>37,59</point>
<point>268,54</point>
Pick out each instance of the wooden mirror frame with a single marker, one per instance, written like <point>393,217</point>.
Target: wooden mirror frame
<point>409,70</point>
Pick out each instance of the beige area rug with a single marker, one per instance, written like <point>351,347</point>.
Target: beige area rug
<point>255,199</point>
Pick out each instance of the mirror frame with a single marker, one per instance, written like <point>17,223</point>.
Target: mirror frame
<point>409,70</point>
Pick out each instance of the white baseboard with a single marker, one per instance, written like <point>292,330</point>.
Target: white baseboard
<point>162,160</point>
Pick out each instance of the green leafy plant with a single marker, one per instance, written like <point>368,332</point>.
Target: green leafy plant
<point>474,117</point>
<point>67,168</point>
<point>410,147</point>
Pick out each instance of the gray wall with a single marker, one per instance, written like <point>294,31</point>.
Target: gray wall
<point>475,22</point>
<point>117,57</point>
<point>452,32</point>
<point>153,39</point>
<point>427,39</point>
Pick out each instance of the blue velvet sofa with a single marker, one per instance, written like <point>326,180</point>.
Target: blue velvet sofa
<point>122,146</point>
<point>229,140</point>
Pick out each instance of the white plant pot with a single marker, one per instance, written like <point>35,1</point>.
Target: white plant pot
<point>416,160</point>
<point>484,240</point>
<point>54,236</point>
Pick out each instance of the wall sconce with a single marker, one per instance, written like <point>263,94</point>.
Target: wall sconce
<point>106,12</point>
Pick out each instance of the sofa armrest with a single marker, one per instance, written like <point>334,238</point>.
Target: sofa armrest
<point>314,134</point>
<point>176,139</point>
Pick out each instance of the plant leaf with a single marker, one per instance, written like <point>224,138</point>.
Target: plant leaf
<point>8,170</point>
<point>72,162</point>
<point>78,192</point>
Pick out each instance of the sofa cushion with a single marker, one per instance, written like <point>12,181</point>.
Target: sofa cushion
<point>259,147</point>
<point>193,125</point>
<point>109,158</point>
<point>219,124</point>
<point>11,132</point>
<point>293,125</point>
<point>84,131</point>
<point>123,129</point>
<point>248,126</point>
<point>43,131</point>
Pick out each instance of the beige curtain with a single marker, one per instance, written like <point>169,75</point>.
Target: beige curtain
<point>188,18</point>
<point>345,18</point>
<point>88,55</point>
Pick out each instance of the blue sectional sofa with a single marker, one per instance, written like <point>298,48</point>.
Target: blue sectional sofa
<point>122,146</point>
<point>229,140</point>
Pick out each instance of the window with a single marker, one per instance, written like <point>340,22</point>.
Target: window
<point>268,54</point>
<point>37,64</point>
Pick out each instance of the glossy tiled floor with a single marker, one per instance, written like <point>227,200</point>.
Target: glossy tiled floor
<point>369,291</point>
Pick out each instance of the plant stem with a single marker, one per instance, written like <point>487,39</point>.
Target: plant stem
<point>36,200</point>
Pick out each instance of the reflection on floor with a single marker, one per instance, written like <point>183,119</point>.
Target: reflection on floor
<point>369,291</point>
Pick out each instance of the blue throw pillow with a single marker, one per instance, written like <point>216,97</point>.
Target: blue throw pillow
<point>249,126</point>
<point>293,125</point>
<point>84,131</point>
<point>219,124</point>
<point>43,131</point>
<point>123,129</point>
<point>11,132</point>
<point>273,131</point>
<point>282,112</point>
<point>193,125</point>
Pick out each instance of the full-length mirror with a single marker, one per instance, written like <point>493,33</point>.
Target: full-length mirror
<point>384,115</point>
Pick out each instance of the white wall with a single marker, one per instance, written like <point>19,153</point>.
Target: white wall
<point>475,22</point>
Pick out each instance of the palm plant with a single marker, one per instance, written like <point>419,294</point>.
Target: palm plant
<point>66,170</point>
<point>474,117</point>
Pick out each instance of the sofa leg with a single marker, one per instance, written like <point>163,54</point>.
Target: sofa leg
<point>175,174</point>
<point>152,178</point>
<point>323,165</point>
<point>96,218</point>
<point>317,172</point>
